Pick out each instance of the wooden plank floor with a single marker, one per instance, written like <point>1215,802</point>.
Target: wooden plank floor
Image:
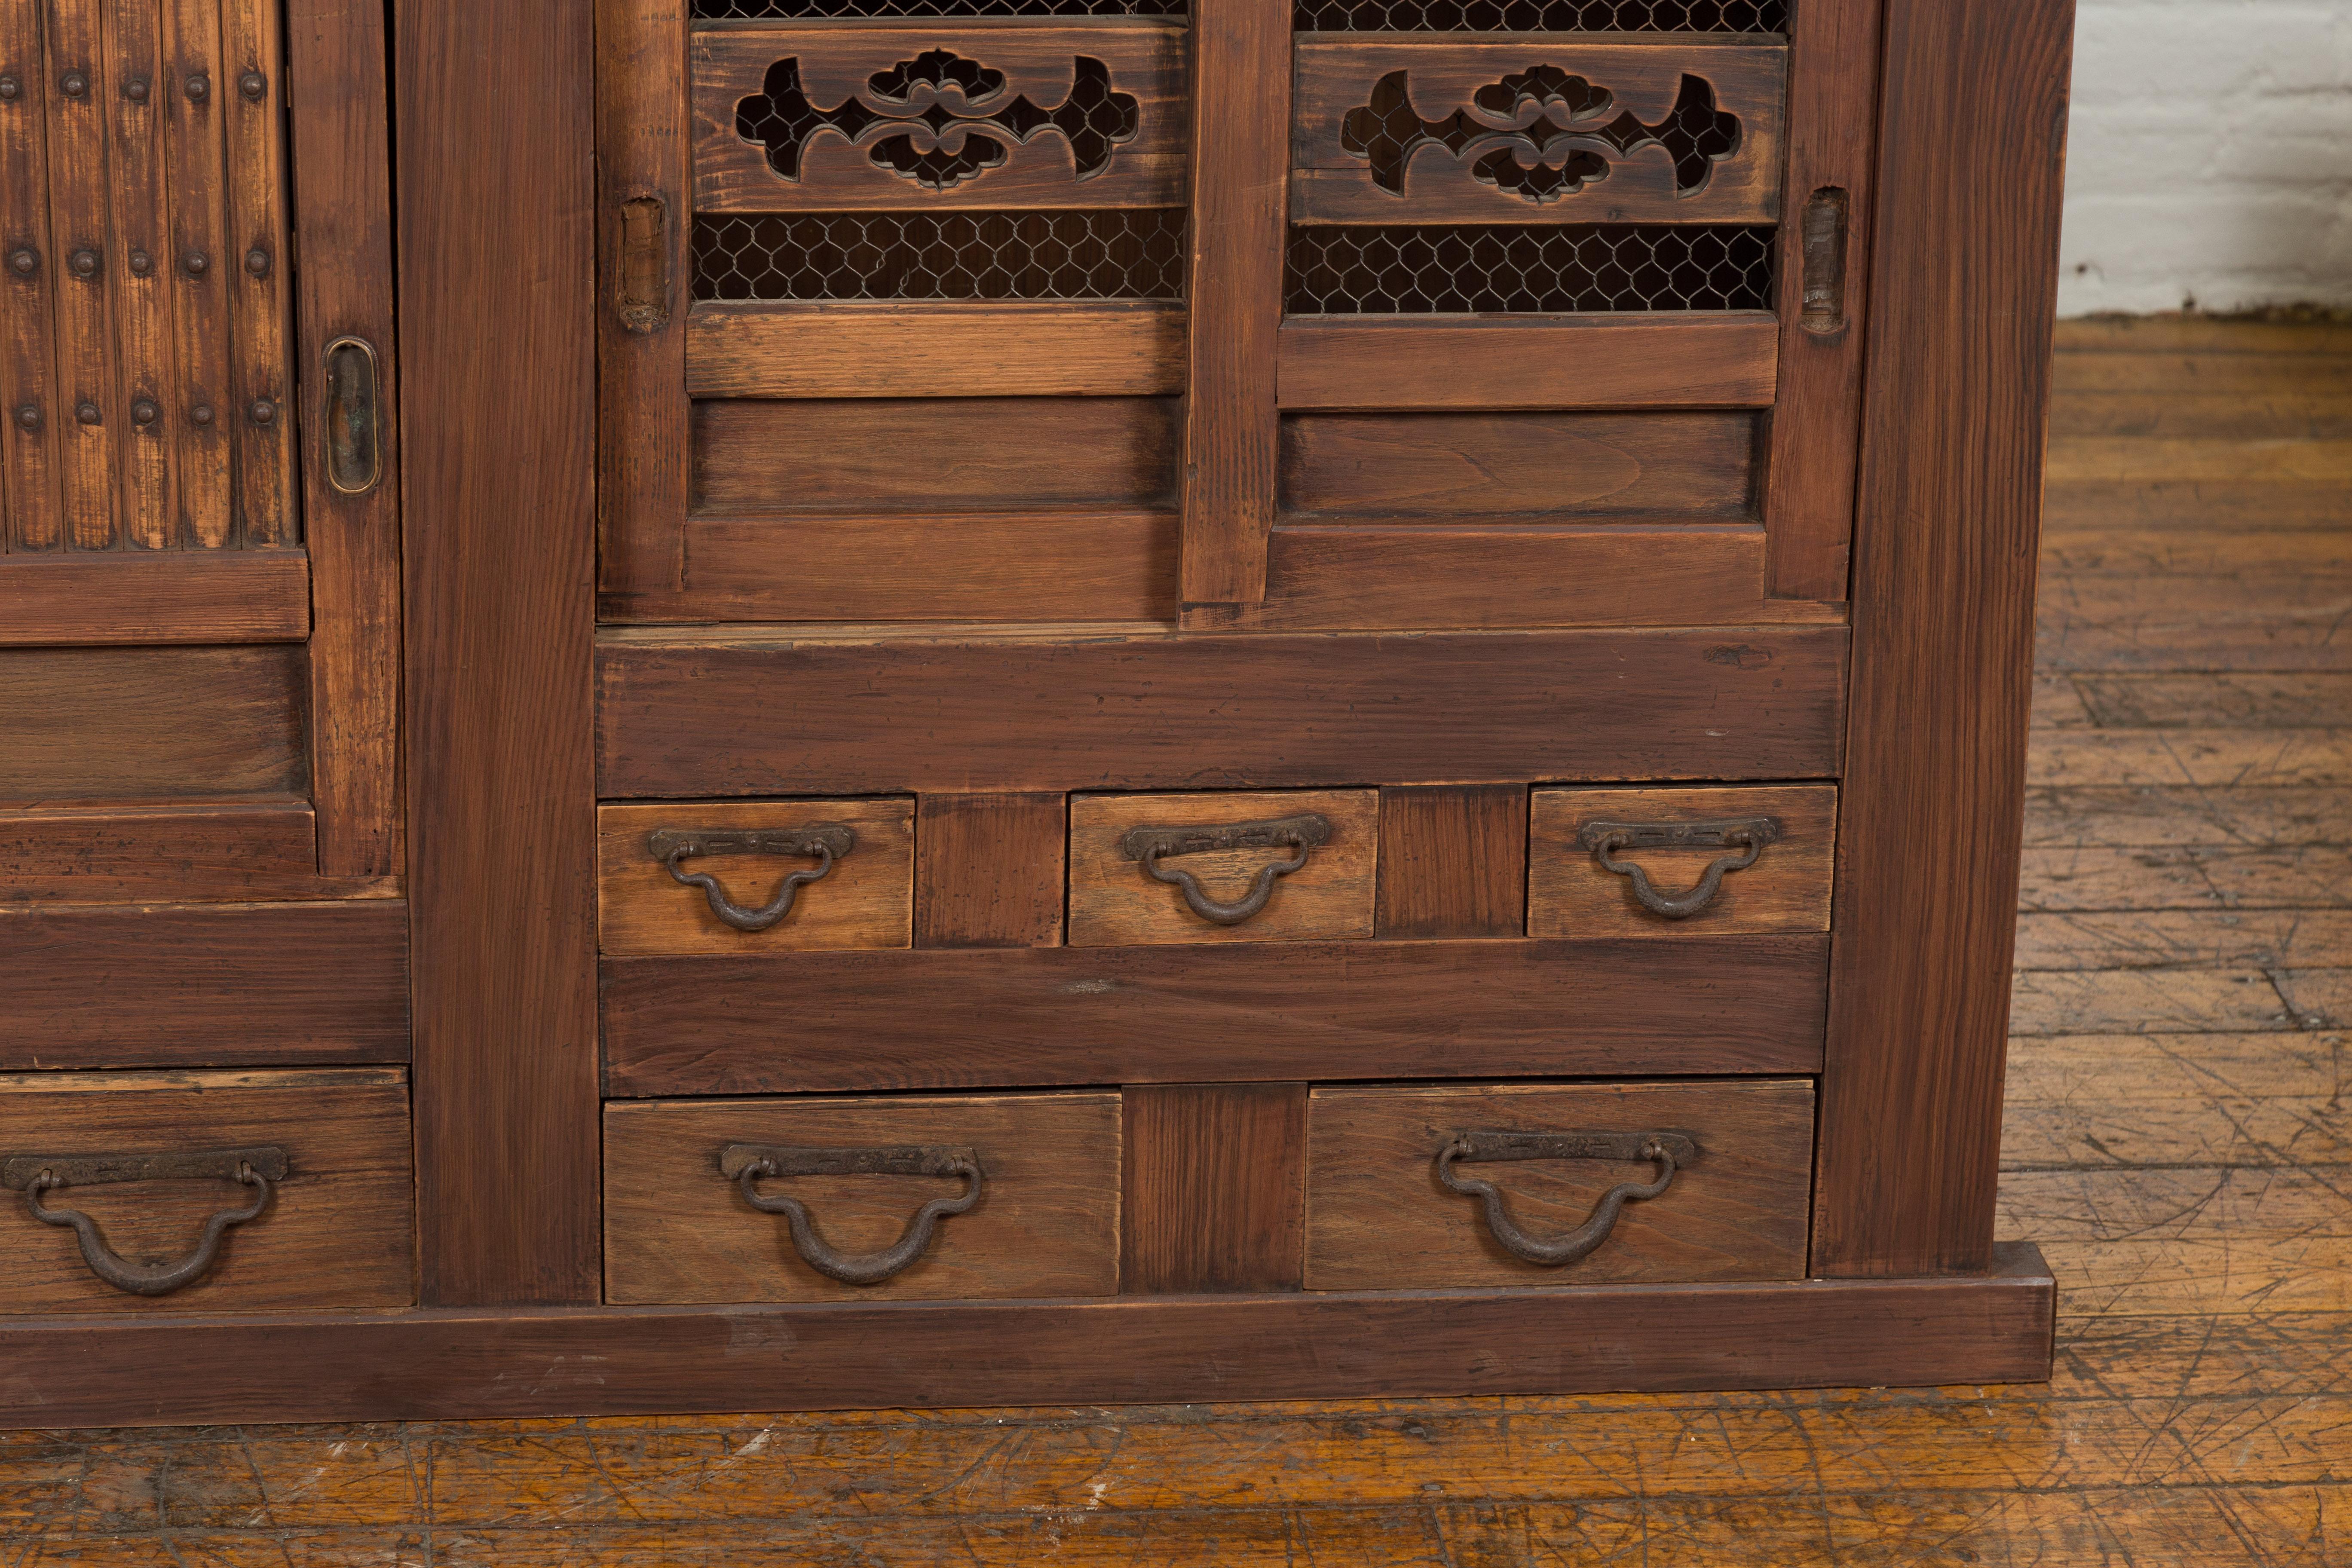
<point>2177,1141</point>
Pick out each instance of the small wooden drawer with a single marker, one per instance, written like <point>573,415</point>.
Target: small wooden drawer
<point>680,1226</point>
<point>1666,843</point>
<point>319,1159</point>
<point>1115,899</point>
<point>1380,1216</point>
<point>862,896</point>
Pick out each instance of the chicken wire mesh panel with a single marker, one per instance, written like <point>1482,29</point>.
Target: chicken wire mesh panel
<point>858,10</point>
<point>1541,16</point>
<point>1398,269</point>
<point>1132,253</point>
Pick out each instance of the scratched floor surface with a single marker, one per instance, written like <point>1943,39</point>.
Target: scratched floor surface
<point>2177,1141</point>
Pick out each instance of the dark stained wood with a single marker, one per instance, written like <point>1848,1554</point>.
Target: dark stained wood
<point>871,455</point>
<point>1833,127</point>
<point>1453,861</point>
<point>1379,1218</point>
<point>1719,360</point>
<point>107,986</point>
<point>150,724</point>
<point>645,277</point>
<point>1145,56</point>
<point>1549,467</point>
<point>139,221</point>
<point>341,188</point>
<point>497,245</point>
<point>1927,891</point>
<point>1337,72</point>
<point>337,1232</point>
<point>1088,563</point>
<point>1990,1327</point>
<point>259,849</point>
<point>1233,286</point>
<point>1242,1013</point>
<point>260,299</point>
<point>989,870</point>
<point>214,597</point>
<point>1214,1188</point>
<point>73,37</point>
<point>30,467</point>
<point>1120,708</point>
<point>959,348</point>
<point>196,153</point>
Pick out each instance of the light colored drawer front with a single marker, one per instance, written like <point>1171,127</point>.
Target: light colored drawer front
<point>150,1158</point>
<point>865,897</point>
<point>1570,893</point>
<point>1380,1217</point>
<point>677,1228</point>
<point>1115,901</point>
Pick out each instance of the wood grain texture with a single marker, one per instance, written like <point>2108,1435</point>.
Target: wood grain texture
<point>877,456</point>
<point>1233,287</point>
<point>866,900</point>
<point>29,466</point>
<point>1816,427</point>
<point>1145,58</point>
<point>188,986</point>
<point>260,282</point>
<point>227,851</point>
<point>138,218</point>
<point>343,190</point>
<point>1130,1350</point>
<point>496,271</point>
<point>1376,1217</point>
<point>240,597</point>
<point>1453,861</point>
<point>88,441</point>
<point>337,1231</point>
<point>150,724</point>
<point>1047,1222</point>
<point>1717,360</point>
<point>1237,1012</point>
<point>1547,467</point>
<point>857,348</point>
<point>1336,75</point>
<point>1215,1193</point>
<point>645,279</point>
<point>1571,894</point>
<point>1128,709</point>
<point>199,265</point>
<point>1112,903</point>
<point>1077,563</point>
<point>989,869</point>
<point>1943,651</point>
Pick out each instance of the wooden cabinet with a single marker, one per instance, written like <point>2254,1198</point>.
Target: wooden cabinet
<point>1047,705</point>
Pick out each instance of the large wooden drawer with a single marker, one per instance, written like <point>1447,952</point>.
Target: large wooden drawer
<point>151,1159</point>
<point>1379,1214</point>
<point>680,1225</point>
<point>700,876</point>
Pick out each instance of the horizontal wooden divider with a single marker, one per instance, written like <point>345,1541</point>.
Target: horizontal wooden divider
<point>1107,348</point>
<point>1661,360</point>
<point>253,851</point>
<point>155,597</point>
<point>1258,1012</point>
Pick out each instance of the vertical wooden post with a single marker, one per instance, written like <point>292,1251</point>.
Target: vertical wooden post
<point>1943,636</point>
<point>1214,1188</point>
<point>497,260</point>
<point>1233,289</point>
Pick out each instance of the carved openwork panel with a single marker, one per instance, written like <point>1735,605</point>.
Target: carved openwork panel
<point>917,116</point>
<point>1528,16</point>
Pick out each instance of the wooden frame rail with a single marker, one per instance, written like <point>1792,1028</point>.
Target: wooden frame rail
<point>155,596</point>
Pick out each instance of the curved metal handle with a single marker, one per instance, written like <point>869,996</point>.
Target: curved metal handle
<point>1751,834</point>
<point>828,841</point>
<point>352,422</point>
<point>37,1174</point>
<point>748,1163</point>
<point>1149,845</point>
<point>1672,1151</point>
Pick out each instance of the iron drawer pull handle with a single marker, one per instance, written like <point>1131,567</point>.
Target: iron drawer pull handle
<point>1149,846</point>
<point>828,841</point>
<point>1749,834</point>
<point>33,1175</point>
<point>748,1163</point>
<point>1672,1151</point>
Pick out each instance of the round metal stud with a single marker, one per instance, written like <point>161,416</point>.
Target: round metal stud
<point>261,410</point>
<point>74,84</point>
<point>84,262</point>
<point>136,89</point>
<point>11,89</point>
<point>142,264</point>
<point>24,261</point>
<point>28,418</point>
<point>87,413</point>
<point>144,411</point>
<point>195,264</point>
<point>257,261</point>
<point>200,87</point>
<point>201,413</point>
<point>252,84</point>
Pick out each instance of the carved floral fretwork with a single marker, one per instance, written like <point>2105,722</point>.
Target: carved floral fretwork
<point>938,119</point>
<point>1539,134</point>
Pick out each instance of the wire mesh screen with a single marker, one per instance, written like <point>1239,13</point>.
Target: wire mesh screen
<point>773,10</point>
<point>1538,16</point>
<point>1131,253</point>
<point>1414,270</point>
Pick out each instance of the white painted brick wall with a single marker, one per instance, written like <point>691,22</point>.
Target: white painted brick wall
<point>2210,156</point>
